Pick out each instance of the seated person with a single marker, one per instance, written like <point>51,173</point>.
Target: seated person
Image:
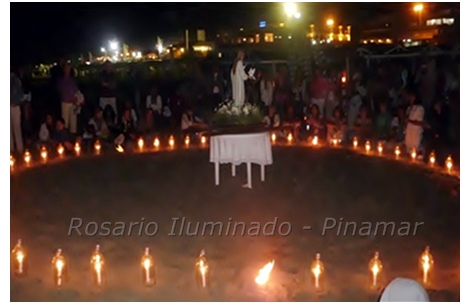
<point>363,126</point>
<point>109,117</point>
<point>191,123</point>
<point>63,136</point>
<point>98,123</point>
<point>128,106</point>
<point>154,101</point>
<point>126,128</point>
<point>315,125</point>
<point>336,127</point>
<point>292,122</point>
<point>272,120</point>
<point>46,131</point>
<point>383,123</point>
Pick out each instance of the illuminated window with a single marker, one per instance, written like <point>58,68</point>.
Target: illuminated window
<point>269,37</point>
<point>448,21</point>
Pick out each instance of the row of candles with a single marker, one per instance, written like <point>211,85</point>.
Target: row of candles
<point>147,265</point>
<point>203,141</point>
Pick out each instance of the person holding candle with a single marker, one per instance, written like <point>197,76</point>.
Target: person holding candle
<point>314,122</point>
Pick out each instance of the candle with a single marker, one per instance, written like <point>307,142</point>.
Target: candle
<point>27,157</point>
<point>203,140</point>
<point>263,275</point>
<point>97,264</point>
<point>315,141</point>
<point>289,138</point>
<point>60,150</point>
<point>397,151</point>
<point>367,146</point>
<point>156,143</point>
<point>43,154</point>
<point>317,269</point>
<point>449,164</point>
<point>171,142</point>
<point>12,162</point>
<point>413,154</point>
<point>119,149</point>
<point>335,142</point>
<point>140,144</point>
<point>59,268</point>
<point>77,148</point>
<point>380,148</point>
<point>202,268</point>
<point>432,158</point>
<point>426,261</point>
<point>375,266</point>
<point>97,147</point>
<point>19,258</point>
<point>273,138</point>
<point>148,268</point>
<point>355,142</point>
<point>186,141</point>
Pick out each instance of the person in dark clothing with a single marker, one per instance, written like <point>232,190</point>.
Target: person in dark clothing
<point>126,128</point>
<point>436,131</point>
<point>62,135</point>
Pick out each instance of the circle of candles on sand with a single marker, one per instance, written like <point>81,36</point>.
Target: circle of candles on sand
<point>355,142</point>
<point>186,141</point>
<point>77,148</point>
<point>426,261</point>
<point>59,268</point>
<point>140,144</point>
<point>449,164</point>
<point>432,158</point>
<point>273,138</point>
<point>43,154</point>
<point>367,146</point>
<point>380,148</point>
<point>19,256</point>
<point>317,269</point>
<point>263,275</point>
<point>97,266</point>
<point>97,147</point>
<point>156,143</point>
<point>60,150</point>
<point>148,268</point>
<point>202,268</point>
<point>375,266</point>
<point>397,151</point>
<point>27,158</point>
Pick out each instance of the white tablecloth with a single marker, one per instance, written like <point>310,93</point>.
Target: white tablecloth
<point>241,148</point>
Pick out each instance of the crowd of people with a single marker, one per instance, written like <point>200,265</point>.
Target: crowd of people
<point>389,103</point>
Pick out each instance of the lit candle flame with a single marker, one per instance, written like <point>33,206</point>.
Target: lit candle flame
<point>368,146</point>
<point>27,157</point>
<point>60,150</point>
<point>317,268</point>
<point>355,142</point>
<point>426,263</point>
<point>140,143</point>
<point>44,154</point>
<point>156,143</point>
<point>335,141</point>
<point>202,267</point>
<point>315,140</point>
<point>343,79</point>
<point>97,147</point>
<point>449,163</point>
<point>380,148</point>
<point>77,148</point>
<point>119,149</point>
<point>171,142</point>
<point>432,158</point>
<point>273,138</point>
<point>397,151</point>
<point>413,154</point>
<point>203,140</point>
<point>375,266</point>
<point>264,273</point>
<point>289,137</point>
<point>186,141</point>
<point>12,161</point>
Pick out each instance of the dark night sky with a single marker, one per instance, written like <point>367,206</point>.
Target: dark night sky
<point>42,31</point>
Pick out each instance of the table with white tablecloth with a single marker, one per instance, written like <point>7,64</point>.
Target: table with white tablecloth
<point>236,149</point>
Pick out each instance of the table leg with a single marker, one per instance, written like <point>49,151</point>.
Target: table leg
<point>248,173</point>
<point>262,173</point>
<point>233,170</point>
<point>216,173</point>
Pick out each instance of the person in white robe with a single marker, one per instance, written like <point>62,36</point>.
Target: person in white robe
<point>404,290</point>
<point>238,77</point>
<point>414,125</point>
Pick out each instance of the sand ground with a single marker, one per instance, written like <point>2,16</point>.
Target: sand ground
<point>302,187</point>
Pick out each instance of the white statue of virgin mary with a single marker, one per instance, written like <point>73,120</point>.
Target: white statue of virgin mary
<point>238,77</point>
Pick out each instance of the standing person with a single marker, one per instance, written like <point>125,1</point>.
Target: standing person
<point>216,82</point>
<point>318,91</point>
<point>238,77</point>
<point>16,99</point>
<point>68,96</point>
<point>108,88</point>
<point>57,71</point>
<point>266,89</point>
<point>414,125</point>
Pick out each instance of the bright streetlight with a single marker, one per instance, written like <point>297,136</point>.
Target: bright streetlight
<point>113,45</point>
<point>330,22</point>
<point>418,8</point>
<point>290,8</point>
<point>297,15</point>
<point>103,50</point>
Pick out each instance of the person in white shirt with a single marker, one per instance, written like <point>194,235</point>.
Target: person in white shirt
<point>414,125</point>
<point>46,129</point>
<point>154,101</point>
<point>192,123</point>
<point>266,89</point>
